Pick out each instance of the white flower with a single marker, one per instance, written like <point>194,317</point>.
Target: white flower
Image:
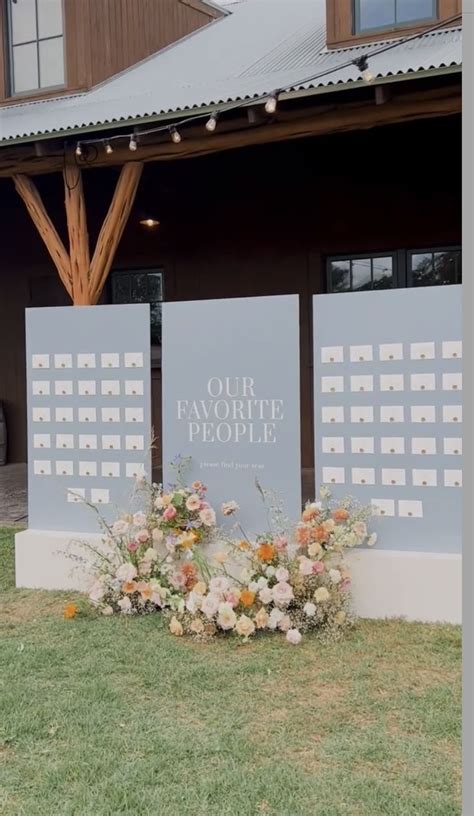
<point>309,609</point>
<point>282,593</point>
<point>126,572</point>
<point>159,503</point>
<point>107,610</point>
<point>194,602</point>
<point>150,554</point>
<point>219,584</point>
<point>306,566</point>
<point>293,636</point>
<point>193,502</point>
<point>139,519</point>
<point>324,492</point>
<point>285,623</point>
<point>125,604</point>
<point>210,605</point>
<point>262,582</point>
<point>119,527</point>
<point>265,595</point>
<point>321,595</point>
<point>372,539</point>
<point>96,592</point>
<point>316,505</point>
<point>245,575</point>
<point>360,529</point>
<point>229,507</point>
<point>226,618</point>
<point>253,586</point>
<point>245,626</point>
<point>270,571</point>
<point>157,535</point>
<point>275,617</point>
<point>208,517</point>
<point>335,576</point>
<point>282,574</point>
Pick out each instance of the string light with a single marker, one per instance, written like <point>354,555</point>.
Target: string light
<point>271,100</point>
<point>362,63</point>
<point>271,103</point>
<point>211,123</point>
<point>175,135</point>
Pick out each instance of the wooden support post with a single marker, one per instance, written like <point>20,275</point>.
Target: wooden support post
<point>34,204</point>
<point>83,279</point>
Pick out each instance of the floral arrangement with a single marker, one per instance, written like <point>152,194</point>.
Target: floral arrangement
<point>292,585</point>
<point>151,559</point>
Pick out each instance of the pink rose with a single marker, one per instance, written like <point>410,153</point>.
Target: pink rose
<point>282,574</point>
<point>132,546</point>
<point>293,636</point>
<point>345,584</point>
<point>280,544</point>
<point>306,566</point>
<point>284,623</point>
<point>207,516</point>
<point>232,597</point>
<point>318,567</point>
<point>169,513</point>
<point>143,536</point>
<point>193,502</point>
<point>282,593</point>
<point>265,595</point>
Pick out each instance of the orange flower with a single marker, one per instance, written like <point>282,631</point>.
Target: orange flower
<point>341,514</point>
<point>189,572</point>
<point>266,551</point>
<point>129,587</point>
<point>319,534</point>
<point>243,545</point>
<point>310,513</point>
<point>145,590</point>
<point>247,597</point>
<point>303,535</point>
<point>70,611</point>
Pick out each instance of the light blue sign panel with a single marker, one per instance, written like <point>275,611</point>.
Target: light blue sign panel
<point>231,399</point>
<point>388,410</point>
<point>89,426</point>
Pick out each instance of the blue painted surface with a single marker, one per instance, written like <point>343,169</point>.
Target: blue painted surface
<point>251,347</point>
<point>98,330</point>
<point>406,316</point>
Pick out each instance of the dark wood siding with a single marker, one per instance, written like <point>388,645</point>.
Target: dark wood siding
<point>249,222</point>
<point>103,37</point>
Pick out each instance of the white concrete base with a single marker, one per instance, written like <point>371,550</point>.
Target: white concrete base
<point>417,586</point>
<point>43,559</point>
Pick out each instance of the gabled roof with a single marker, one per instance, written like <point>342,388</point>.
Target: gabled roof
<point>262,45</point>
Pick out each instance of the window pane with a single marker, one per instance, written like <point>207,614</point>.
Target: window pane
<point>50,18</point>
<point>383,273</point>
<point>409,10</point>
<point>154,286</point>
<point>422,269</point>
<point>361,275</point>
<point>375,14</point>
<point>155,314</point>
<point>121,289</point>
<point>340,276</point>
<point>444,267</point>
<point>23,21</point>
<point>25,68</point>
<point>51,62</point>
<point>139,288</point>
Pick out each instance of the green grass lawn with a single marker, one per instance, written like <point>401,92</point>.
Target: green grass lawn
<point>103,716</point>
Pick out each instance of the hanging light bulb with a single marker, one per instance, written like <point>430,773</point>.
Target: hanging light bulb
<point>78,150</point>
<point>362,63</point>
<point>211,123</point>
<point>132,145</point>
<point>108,148</point>
<point>175,135</point>
<point>271,103</point>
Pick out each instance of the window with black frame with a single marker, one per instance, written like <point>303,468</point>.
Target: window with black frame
<point>35,38</point>
<point>141,286</point>
<point>437,266</point>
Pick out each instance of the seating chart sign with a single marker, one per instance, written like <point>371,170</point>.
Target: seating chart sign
<point>231,400</point>
<point>388,410</point>
<point>89,425</point>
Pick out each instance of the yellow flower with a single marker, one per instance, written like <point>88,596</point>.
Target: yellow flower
<point>340,617</point>
<point>314,549</point>
<point>245,626</point>
<point>261,619</point>
<point>187,540</point>
<point>175,627</point>
<point>321,595</point>
<point>200,588</point>
<point>166,499</point>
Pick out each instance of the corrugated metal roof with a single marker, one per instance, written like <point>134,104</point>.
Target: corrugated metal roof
<point>260,46</point>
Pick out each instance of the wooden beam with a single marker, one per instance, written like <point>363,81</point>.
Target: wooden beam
<point>113,227</point>
<point>34,204</point>
<point>78,234</point>
<point>405,107</point>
